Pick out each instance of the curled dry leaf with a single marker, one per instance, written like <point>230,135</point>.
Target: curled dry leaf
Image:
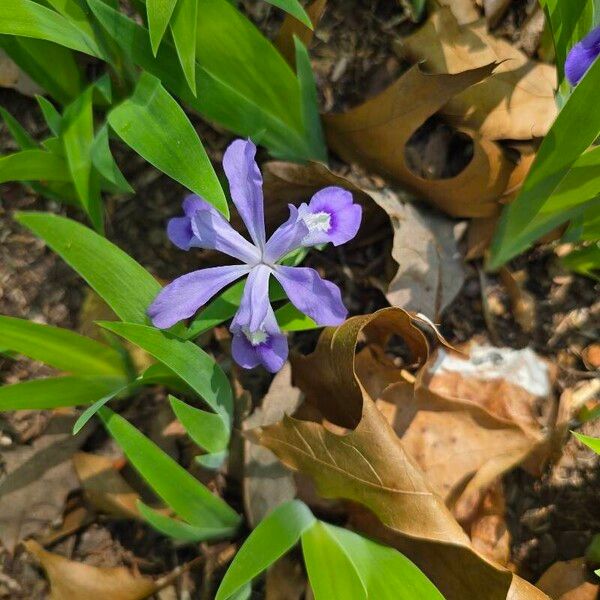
<point>465,11</point>
<point>430,268</point>
<point>375,134</point>
<point>70,580</point>
<point>370,466</point>
<point>516,103</point>
<point>104,487</point>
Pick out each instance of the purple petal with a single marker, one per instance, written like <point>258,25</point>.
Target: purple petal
<point>331,216</point>
<point>185,295</point>
<point>321,300</point>
<point>213,232</point>
<point>581,56</point>
<point>287,237</point>
<point>266,346</point>
<point>245,186</point>
<point>255,300</point>
<point>179,229</point>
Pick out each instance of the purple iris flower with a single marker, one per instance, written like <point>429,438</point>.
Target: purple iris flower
<point>582,55</point>
<point>331,216</point>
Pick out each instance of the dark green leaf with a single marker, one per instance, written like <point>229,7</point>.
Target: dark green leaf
<point>52,117</point>
<point>116,277</point>
<point>294,8</point>
<point>167,140</point>
<point>18,132</point>
<point>159,15</point>
<point>184,26</point>
<point>104,162</point>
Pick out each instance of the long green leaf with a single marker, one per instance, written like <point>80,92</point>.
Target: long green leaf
<point>52,66</point>
<point>205,428</point>
<point>60,348</point>
<point>104,162</point>
<point>591,442</point>
<point>52,117</point>
<point>179,530</point>
<point>184,26</point>
<point>294,8</point>
<point>30,165</point>
<point>167,139</point>
<point>330,571</point>
<point>53,392</point>
<point>255,97</point>
<point>273,537</point>
<point>116,277</point>
<point>386,574</point>
<point>77,130</point>
<point>560,149</point>
<point>184,494</point>
<point>18,132</point>
<point>159,15</point>
<point>90,411</point>
<point>29,19</point>
<point>189,362</point>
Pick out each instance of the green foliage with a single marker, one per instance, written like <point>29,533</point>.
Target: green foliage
<point>564,180</point>
<point>183,493</point>
<point>116,277</point>
<point>591,442</point>
<point>167,139</point>
<point>340,563</point>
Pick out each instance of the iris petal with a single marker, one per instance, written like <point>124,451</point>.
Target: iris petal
<point>245,186</point>
<point>287,237</point>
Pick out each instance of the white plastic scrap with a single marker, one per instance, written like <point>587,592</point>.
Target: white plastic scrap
<point>520,367</point>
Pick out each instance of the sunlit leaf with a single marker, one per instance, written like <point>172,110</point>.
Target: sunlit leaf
<point>167,140</point>
<point>116,277</point>
<point>591,442</point>
<point>52,117</point>
<point>183,493</point>
<point>104,162</point>
<point>30,165</point>
<point>54,392</point>
<point>294,8</point>
<point>60,348</point>
<point>184,26</point>
<point>273,537</point>
<point>159,15</point>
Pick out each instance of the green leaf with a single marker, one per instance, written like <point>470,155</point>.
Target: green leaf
<point>591,442</point>
<point>183,493</point>
<point>386,573</point>
<point>116,277</point>
<point>205,428</point>
<point>90,411</point>
<point>104,162</point>
<point>28,165</point>
<point>524,220</point>
<point>52,117</point>
<point>184,26</point>
<point>53,392</point>
<point>277,533</point>
<point>291,319</point>
<point>189,362</point>
<point>179,530</point>
<point>29,19</point>
<point>259,98</point>
<point>310,102</point>
<point>159,15</point>
<point>18,132</point>
<point>294,8</point>
<point>167,140</point>
<point>77,132</point>
<point>585,261</point>
<point>59,348</point>
<point>52,66</point>
<point>330,571</point>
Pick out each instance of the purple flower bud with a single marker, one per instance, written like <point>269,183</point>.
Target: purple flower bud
<point>582,55</point>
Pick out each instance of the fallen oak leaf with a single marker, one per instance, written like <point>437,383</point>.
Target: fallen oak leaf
<point>369,465</point>
<point>516,103</point>
<point>376,133</point>
<point>70,580</point>
<point>566,580</point>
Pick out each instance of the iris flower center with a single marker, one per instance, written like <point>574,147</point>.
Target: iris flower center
<point>320,221</point>
<point>255,337</point>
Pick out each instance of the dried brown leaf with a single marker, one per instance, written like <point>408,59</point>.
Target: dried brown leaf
<point>370,466</point>
<point>376,133</point>
<point>566,580</point>
<point>11,76</point>
<point>104,487</point>
<point>516,103</point>
<point>285,580</point>
<point>38,479</point>
<point>70,580</point>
